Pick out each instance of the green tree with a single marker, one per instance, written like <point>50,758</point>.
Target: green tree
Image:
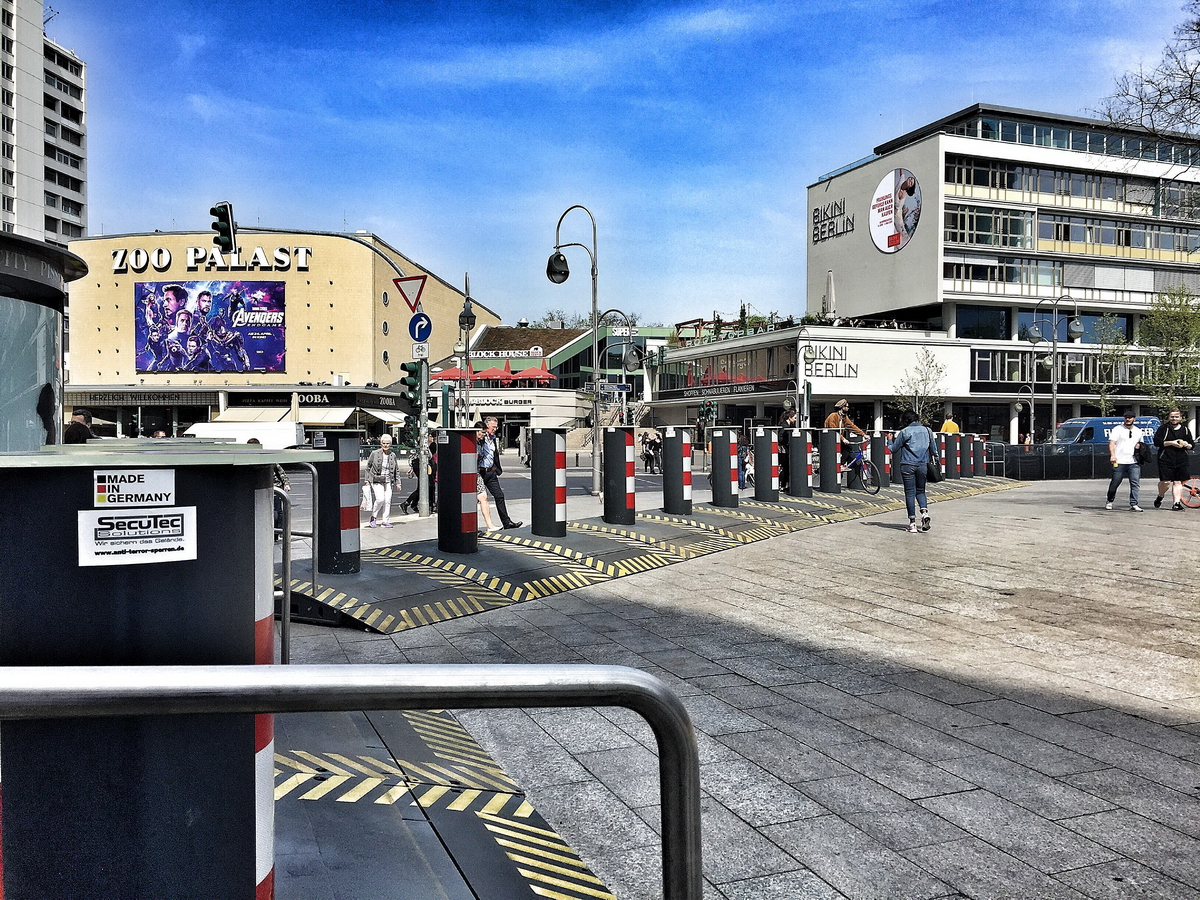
<point>1170,332</point>
<point>920,388</point>
<point>552,317</point>
<point>1112,362</point>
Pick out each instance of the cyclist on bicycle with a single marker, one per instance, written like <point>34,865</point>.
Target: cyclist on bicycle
<point>840,419</point>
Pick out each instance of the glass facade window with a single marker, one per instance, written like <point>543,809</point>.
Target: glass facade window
<point>1003,175</point>
<point>1005,271</point>
<point>1092,326</point>
<point>983,323</point>
<point>989,226</point>
<point>1089,140</point>
<point>1116,233</point>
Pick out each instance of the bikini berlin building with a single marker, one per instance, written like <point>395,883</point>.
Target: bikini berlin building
<point>958,238</point>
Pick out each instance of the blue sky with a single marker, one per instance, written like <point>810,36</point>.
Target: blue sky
<point>459,131</point>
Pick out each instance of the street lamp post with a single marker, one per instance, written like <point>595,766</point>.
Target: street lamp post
<point>1026,387</point>
<point>558,272</point>
<point>1074,331</point>
<point>466,324</point>
<point>802,384</point>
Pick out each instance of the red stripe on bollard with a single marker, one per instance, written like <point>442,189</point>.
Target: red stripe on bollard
<point>560,495</point>
<point>264,639</point>
<point>264,730</point>
<point>348,471</point>
<point>265,889</point>
<point>348,517</point>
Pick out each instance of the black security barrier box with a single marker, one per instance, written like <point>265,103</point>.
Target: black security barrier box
<point>548,474</point>
<point>138,553</point>
<point>950,444</point>
<point>881,457</point>
<point>766,465</point>
<point>338,493</point>
<point>457,490</point>
<point>800,461</point>
<point>724,472</point>
<point>620,499</point>
<point>677,471</point>
<point>831,461</point>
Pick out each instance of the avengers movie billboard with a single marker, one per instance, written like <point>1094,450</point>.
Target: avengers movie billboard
<point>209,326</point>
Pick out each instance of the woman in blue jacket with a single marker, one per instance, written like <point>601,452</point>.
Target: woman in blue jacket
<point>910,448</point>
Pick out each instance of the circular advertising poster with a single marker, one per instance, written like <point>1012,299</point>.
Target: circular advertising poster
<point>895,210</point>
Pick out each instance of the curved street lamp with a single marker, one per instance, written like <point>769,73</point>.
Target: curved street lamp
<point>808,354</point>
<point>466,324</point>
<point>1034,336</point>
<point>558,271</point>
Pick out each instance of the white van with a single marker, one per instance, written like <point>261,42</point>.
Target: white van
<point>272,435</point>
<point>1097,430</point>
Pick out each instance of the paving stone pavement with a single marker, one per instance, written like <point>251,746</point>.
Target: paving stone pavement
<point>1005,707</point>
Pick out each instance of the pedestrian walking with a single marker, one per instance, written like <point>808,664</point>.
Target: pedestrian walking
<point>490,471</point>
<point>383,471</point>
<point>786,424</point>
<point>1122,451</point>
<point>412,501</point>
<point>912,451</point>
<point>1173,440</point>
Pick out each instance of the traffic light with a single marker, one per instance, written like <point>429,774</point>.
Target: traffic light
<point>410,383</point>
<point>224,226</point>
<point>708,410</point>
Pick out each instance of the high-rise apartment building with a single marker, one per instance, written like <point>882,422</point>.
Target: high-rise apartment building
<point>43,130</point>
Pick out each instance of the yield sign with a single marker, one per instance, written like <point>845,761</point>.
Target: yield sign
<point>410,289</point>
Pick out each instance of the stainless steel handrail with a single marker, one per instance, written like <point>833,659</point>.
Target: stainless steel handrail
<point>315,511</point>
<point>69,691</point>
<point>285,607</point>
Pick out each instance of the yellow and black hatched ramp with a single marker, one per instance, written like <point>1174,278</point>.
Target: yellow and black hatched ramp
<point>411,585</point>
<point>377,797</point>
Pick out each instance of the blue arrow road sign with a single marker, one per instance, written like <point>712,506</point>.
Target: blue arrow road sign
<point>419,327</point>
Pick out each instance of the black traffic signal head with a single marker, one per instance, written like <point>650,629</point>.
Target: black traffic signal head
<point>224,226</point>
<point>410,382</point>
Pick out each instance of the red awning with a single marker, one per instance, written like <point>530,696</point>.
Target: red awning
<point>535,373</point>
<point>492,374</point>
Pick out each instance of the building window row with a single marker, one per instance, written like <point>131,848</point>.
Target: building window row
<point>1022,367</point>
<point>989,226</point>
<point>64,109</point>
<point>54,226</point>
<point>64,61</point>
<point>6,44</point>
<point>1086,140</point>
<point>70,135</point>
<point>6,18</point>
<point>62,156</point>
<point>62,179</point>
<point>1117,233</point>
<point>72,90</point>
<point>1002,175</point>
<point>993,323</point>
<point>990,273</point>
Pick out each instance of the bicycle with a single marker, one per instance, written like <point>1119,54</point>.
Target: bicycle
<point>862,468</point>
<point>1191,493</point>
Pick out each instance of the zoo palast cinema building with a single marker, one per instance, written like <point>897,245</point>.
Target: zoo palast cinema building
<point>165,331</point>
<point>957,238</point>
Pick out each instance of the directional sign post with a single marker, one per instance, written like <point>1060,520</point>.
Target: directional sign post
<point>420,327</point>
